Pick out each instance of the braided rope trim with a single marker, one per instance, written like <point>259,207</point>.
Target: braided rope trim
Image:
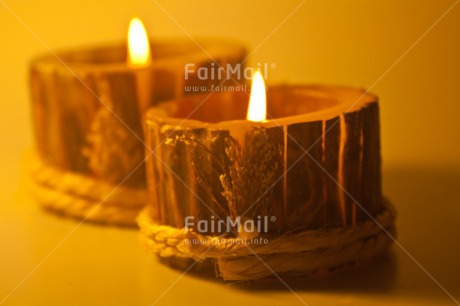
<point>83,197</point>
<point>292,254</point>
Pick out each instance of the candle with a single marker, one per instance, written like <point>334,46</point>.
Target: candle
<point>307,168</point>
<point>87,109</point>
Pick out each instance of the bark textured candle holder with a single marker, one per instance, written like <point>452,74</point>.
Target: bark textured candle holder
<point>314,171</point>
<point>87,109</point>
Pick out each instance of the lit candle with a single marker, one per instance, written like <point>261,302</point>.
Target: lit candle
<point>87,109</point>
<point>221,157</point>
<point>306,180</point>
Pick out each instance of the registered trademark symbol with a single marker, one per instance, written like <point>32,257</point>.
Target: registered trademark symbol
<point>273,218</point>
<point>273,66</point>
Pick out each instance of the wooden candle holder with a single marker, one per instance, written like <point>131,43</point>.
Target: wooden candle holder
<point>325,206</point>
<point>87,109</point>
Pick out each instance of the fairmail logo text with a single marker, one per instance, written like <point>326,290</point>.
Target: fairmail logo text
<point>216,71</point>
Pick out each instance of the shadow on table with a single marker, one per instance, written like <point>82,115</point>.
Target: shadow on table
<point>376,275</point>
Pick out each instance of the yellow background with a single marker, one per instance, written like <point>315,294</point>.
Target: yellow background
<point>401,50</point>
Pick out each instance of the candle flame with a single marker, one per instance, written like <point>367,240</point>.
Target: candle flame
<point>257,110</point>
<point>138,43</point>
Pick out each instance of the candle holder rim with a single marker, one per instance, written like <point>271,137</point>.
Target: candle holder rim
<point>160,114</point>
<point>61,60</point>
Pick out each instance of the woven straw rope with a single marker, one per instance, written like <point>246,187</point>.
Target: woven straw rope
<point>298,253</point>
<point>83,197</point>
